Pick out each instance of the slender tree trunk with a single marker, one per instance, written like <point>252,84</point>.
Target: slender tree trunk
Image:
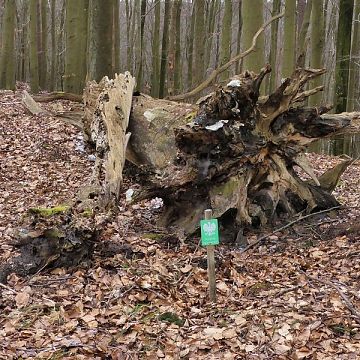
<point>274,46</point>
<point>129,44</point>
<point>214,8</point>
<point>43,45</point>
<point>61,48</point>
<point>22,41</point>
<point>225,47</point>
<point>134,36</point>
<point>343,45</point>
<point>53,45</point>
<point>238,46</point>
<point>100,39</point>
<point>353,89</point>
<point>34,61</point>
<point>117,38</point>
<point>190,48</point>
<point>199,42</point>
<point>171,52</point>
<point>141,46</point>
<point>76,42</point>
<point>289,38</point>
<point>164,50</point>
<point>174,38</point>
<point>252,11</point>
<point>302,40</point>
<point>7,60</point>
<point>178,65</point>
<point>156,52</point>
<point>317,48</point>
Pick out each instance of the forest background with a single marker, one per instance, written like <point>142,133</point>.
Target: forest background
<point>172,46</point>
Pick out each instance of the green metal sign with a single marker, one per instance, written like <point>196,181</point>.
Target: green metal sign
<point>209,232</point>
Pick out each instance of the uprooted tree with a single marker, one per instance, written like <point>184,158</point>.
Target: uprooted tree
<point>235,152</point>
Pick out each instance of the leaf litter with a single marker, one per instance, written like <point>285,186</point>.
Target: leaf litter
<point>144,294</point>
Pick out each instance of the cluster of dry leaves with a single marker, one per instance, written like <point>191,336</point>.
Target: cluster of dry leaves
<point>144,294</point>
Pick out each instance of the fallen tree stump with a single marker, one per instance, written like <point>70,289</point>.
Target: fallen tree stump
<point>241,154</point>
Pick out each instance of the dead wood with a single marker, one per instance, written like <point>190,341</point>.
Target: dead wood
<point>58,95</point>
<point>347,302</point>
<point>239,156</point>
<point>71,117</point>
<point>262,239</point>
<point>65,235</point>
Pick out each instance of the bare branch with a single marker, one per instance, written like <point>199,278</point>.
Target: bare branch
<point>222,68</point>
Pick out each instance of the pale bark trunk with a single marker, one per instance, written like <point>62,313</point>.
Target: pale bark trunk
<point>317,48</point>
<point>274,45</point>
<point>343,46</point>
<point>199,42</point>
<point>34,61</point>
<point>156,52</point>
<point>353,101</point>
<point>289,38</point>
<point>225,48</point>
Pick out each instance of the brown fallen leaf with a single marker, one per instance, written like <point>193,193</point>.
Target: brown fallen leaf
<point>22,299</point>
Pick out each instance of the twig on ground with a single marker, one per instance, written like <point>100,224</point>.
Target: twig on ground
<point>345,299</point>
<point>7,288</point>
<point>262,238</point>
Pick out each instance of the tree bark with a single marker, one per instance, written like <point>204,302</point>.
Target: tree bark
<point>34,61</point>
<point>252,12</point>
<point>289,38</point>
<point>354,89</point>
<point>75,42</point>
<point>225,49</point>
<point>100,39</point>
<point>7,62</point>
<point>343,46</point>
<point>156,52</point>
<point>317,48</point>
<point>274,45</point>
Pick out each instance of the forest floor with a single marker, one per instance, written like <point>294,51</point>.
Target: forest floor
<point>143,295</point>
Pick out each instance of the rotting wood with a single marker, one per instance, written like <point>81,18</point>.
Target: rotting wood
<point>71,117</point>
<point>240,152</point>
<point>109,131</point>
<point>58,95</point>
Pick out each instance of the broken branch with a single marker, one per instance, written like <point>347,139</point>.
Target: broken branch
<point>222,68</point>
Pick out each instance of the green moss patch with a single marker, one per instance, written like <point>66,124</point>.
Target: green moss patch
<point>48,212</point>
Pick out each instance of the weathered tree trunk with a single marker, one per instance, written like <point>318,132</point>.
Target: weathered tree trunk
<point>235,152</point>
<point>238,155</point>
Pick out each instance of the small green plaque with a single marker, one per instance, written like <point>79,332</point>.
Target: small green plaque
<point>209,232</point>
